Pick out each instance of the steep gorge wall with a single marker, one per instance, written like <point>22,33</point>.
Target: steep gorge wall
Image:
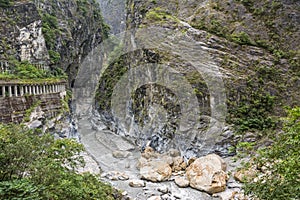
<point>255,44</point>
<point>114,14</point>
<point>255,51</point>
<point>72,29</point>
<point>53,33</point>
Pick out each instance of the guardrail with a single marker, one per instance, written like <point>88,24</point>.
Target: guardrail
<point>15,89</point>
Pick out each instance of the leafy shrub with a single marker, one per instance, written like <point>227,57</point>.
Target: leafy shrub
<point>159,15</point>
<point>54,56</point>
<point>281,161</point>
<point>19,189</point>
<point>50,29</point>
<point>253,112</point>
<point>241,38</point>
<point>26,70</point>
<point>35,166</point>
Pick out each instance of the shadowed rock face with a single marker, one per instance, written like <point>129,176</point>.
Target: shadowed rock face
<point>114,14</point>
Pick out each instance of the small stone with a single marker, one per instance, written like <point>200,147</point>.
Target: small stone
<point>166,197</point>
<point>123,177</point>
<point>182,182</point>
<point>154,198</point>
<point>228,194</point>
<point>242,196</point>
<point>124,193</point>
<point>164,189</point>
<point>174,153</point>
<point>250,137</point>
<point>234,185</point>
<point>103,175</point>
<point>113,178</point>
<point>245,174</point>
<point>35,124</point>
<point>149,150</point>
<point>149,153</point>
<point>137,183</point>
<point>114,175</point>
<point>177,162</point>
<point>121,154</point>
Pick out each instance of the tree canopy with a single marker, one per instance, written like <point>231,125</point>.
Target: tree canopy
<point>37,166</point>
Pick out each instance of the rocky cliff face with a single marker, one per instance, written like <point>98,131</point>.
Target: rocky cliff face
<point>239,55</point>
<point>21,35</point>
<point>114,14</point>
<point>53,33</point>
<point>48,34</point>
<point>72,29</point>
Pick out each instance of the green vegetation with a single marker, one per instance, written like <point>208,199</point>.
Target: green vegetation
<point>253,112</point>
<point>252,106</point>
<point>240,22</point>
<point>217,27</point>
<point>36,166</point>
<point>54,56</point>
<point>87,12</point>
<point>109,79</point>
<point>5,3</point>
<point>158,15</point>
<point>280,161</point>
<point>241,38</point>
<point>65,101</point>
<point>214,26</point>
<point>25,71</point>
<point>50,31</point>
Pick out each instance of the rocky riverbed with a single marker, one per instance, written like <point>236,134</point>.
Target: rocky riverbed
<point>150,175</point>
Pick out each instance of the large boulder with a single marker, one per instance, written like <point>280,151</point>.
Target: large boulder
<point>156,171</point>
<point>208,174</point>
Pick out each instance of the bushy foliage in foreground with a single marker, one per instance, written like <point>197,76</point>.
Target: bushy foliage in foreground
<point>36,166</point>
<point>281,177</point>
